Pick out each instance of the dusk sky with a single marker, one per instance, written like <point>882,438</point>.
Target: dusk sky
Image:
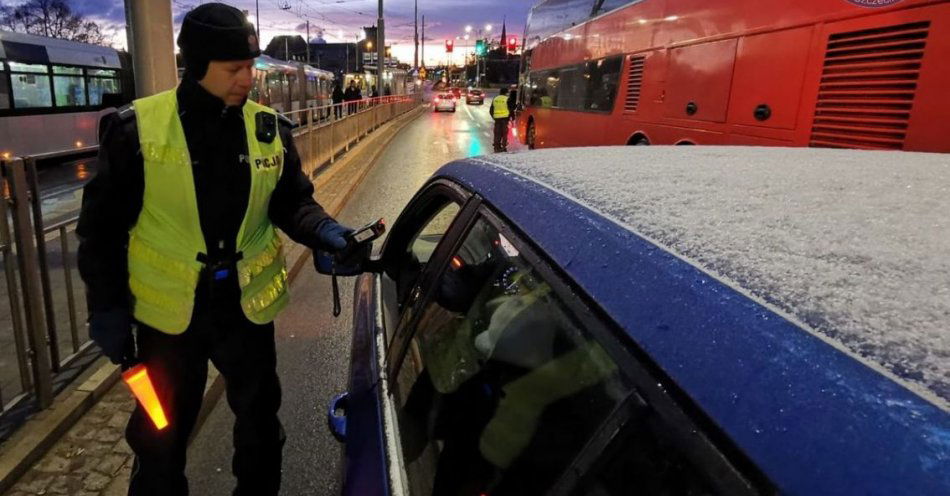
<point>342,19</point>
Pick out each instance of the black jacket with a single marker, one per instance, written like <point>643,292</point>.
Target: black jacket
<point>352,94</point>
<point>337,95</point>
<point>217,145</point>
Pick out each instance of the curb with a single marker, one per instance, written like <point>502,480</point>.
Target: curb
<point>34,439</point>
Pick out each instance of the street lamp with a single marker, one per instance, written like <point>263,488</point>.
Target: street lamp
<point>488,27</point>
<point>468,29</point>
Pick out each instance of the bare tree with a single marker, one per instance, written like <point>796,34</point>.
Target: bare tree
<point>51,18</point>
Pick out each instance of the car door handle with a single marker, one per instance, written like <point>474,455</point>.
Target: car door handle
<point>337,423</point>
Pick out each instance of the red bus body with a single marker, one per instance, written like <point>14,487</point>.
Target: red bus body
<point>749,72</point>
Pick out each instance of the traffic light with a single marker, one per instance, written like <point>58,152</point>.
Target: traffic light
<point>449,45</point>
<point>512,44</point>
<point>480,48</point>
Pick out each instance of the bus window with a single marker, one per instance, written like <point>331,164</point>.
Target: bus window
<point>572,88</point>
<point>602,86</point>
<point>69,86</point>
<point>4,89</point>
<point>604,6</point>
<point>30,85</point>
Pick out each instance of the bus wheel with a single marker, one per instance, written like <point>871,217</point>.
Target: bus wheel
<point>639,141</point>
<point>531,135</point>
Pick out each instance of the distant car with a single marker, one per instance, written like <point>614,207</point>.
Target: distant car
<point>679,320</point>
<point>475,97</point>
<point>444,101</point>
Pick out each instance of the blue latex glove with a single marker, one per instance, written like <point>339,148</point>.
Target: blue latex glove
<point>332,235</point>
<point>112,331</point>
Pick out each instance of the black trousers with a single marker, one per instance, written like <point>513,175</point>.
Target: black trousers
<point>501,135</point>
<point>337,110</point>
<point>245,355</point>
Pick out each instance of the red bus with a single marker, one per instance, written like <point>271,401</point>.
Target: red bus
<point>831,73</point>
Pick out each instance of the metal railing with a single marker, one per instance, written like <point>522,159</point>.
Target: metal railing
<point>327,131</point>
<point>38,260</point>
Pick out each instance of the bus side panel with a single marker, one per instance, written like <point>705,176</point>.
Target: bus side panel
<point>686,20</point>
<point>884,82</point>
<point>770,71</point>
<point>927,129</point>
<point>700,77</point>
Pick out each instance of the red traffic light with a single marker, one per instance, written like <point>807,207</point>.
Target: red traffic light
<point>449,45</point>
<point>512,43</point>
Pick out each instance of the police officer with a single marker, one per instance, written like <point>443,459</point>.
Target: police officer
<point>500,112</point>
<point>177,239</point>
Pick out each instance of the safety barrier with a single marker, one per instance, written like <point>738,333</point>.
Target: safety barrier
<point>327,131</point>
<point>37,358</point>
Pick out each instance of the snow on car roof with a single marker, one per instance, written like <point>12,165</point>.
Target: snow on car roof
<point>853,244</point>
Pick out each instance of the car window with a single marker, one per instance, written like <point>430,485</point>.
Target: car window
<point>642,455</point>
<point>500,386</point>
<point>415,243</point>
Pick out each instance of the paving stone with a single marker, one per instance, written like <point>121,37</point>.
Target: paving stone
<point>109,435</point>
<point>65,484</point>
<point>111,464</point>
<point>82,432</point>
<point>96,481</point>
<point>118,421</point>
<point>34,483</point>
<point>54,463</point>
<point>122,447</point>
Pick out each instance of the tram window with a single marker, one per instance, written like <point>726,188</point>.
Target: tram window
<point>68,86</point>
<point>100,86</point>
<point>290,90</point>
<point>274,87</point>
<point>101,72</point>
<point>30,85</point>
<point>4,90</point>
<point>604,76</point>
<point>31,68</point>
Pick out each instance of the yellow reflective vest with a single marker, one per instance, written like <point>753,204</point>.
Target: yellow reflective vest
<point>167,237</point>
<point>499,107</point>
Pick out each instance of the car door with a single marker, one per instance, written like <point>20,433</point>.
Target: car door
<point>496,382</point>
<point>504,379</point>
<point>356,417</point>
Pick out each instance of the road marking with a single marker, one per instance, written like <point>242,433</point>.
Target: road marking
<point>469,112</point>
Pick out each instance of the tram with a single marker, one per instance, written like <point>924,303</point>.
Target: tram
<point>54,92</point>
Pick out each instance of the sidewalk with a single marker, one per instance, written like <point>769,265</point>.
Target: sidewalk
<point>92,457</point>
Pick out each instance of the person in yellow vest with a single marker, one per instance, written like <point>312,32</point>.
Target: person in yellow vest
<point>499,112</point>
<point>178,239</point>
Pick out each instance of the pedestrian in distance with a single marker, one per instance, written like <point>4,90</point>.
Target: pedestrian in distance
<point>351,96</point>
<point>180,253</point>
<point>337,98</point>
<point>500,113</point>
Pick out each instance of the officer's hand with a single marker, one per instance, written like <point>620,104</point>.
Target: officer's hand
<point>332,235</point>
<point>112,331</point>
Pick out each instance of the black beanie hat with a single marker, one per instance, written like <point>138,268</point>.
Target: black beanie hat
<point>215,31</point>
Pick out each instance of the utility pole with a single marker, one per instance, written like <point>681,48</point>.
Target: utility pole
<point>423,40</point>
<point>151,42</point>
<point>308,41</point>
<point>415,64</point>
<point>257,18</point>
<point>380,50</point>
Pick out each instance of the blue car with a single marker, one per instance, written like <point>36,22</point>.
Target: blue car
<point>670,320</point>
